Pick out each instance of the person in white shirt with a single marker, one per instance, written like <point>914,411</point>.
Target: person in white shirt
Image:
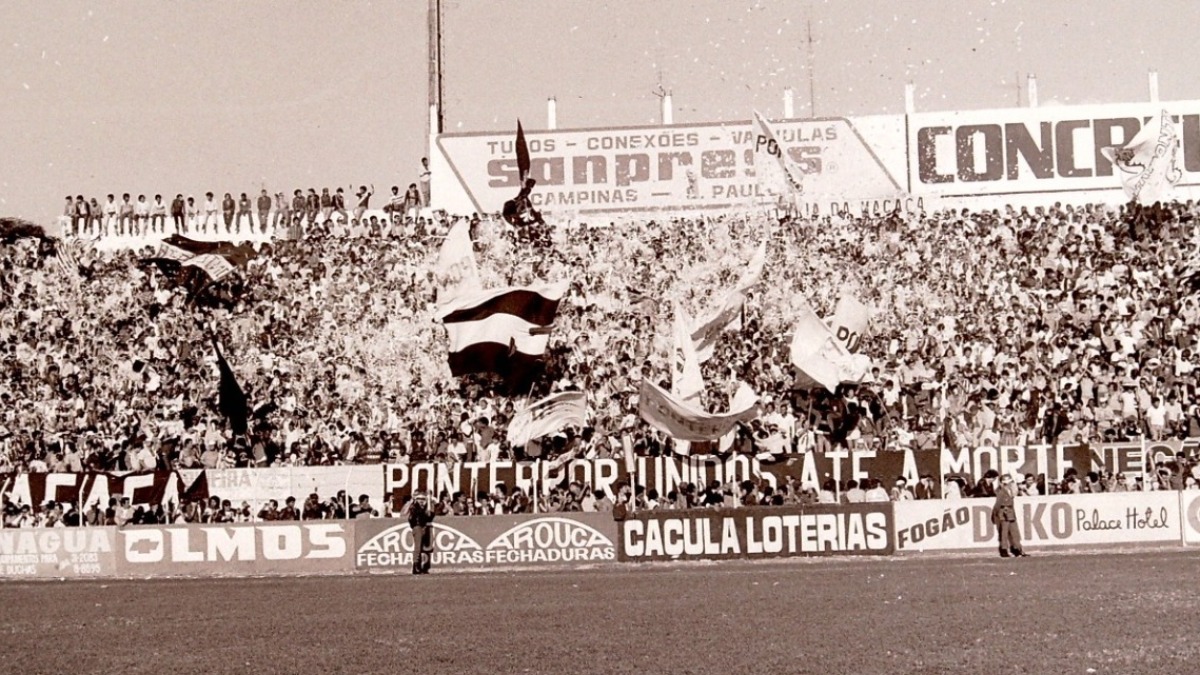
<point>1156,418</point>
<point>211,209</point>
<point>142,211</point>
<point>110,215</point>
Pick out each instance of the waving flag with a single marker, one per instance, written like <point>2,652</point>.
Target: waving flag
<point>503,331</point>
<point>547,416</point>
<point>218,259</point>
<point>522,154</point>
<point>705,336</point>
<point>686,381</point>
<point>231,400</point>
<point>456,270</point>
<point>688,423</point>
<point>1148,164</point>
<point>821,358</point>
<point>775,172</point>
<point>849,322</point>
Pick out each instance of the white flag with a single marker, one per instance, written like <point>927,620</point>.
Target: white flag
<point>1148,164</point>
<point>849,322</point>
<point>457,273</point>
<point>686,381</point>
<point>821,359</point>
<point>775,172</point>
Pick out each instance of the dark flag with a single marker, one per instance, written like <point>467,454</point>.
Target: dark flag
<point>232,400</point>
<point>522,154</point>
<point>12,229</point>
<point>520,211</point>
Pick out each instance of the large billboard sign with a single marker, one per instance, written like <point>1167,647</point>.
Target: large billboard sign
<point>871,164</point>
<point>681,167</point>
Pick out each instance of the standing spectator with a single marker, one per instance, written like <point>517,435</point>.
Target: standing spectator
<point>424,179</point>
<point>395,205</point>
<point>158,215</point>
<point>228,210</point>
<point>283,211</point>
<point>299,204</point>
<point>339,206</point>
<point>412,202</point>
<point>363,201</point>
<point>178,211</point>
<point>420,519</point>
<point>264,211</point>
<point>289,512</point>
<point>244,210</point>
<point>1004,517</point>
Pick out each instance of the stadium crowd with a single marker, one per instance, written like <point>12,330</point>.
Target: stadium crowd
<point>1060,325</point>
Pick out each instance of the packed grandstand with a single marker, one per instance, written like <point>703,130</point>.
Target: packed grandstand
<point>1066,325</point>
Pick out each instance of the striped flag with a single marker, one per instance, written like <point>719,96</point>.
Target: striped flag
<point>547,416</point>
<point>503,331</point>
<point>706,334</point>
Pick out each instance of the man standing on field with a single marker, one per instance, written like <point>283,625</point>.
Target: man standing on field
<point>1004,517</point>
<point>420,519</point>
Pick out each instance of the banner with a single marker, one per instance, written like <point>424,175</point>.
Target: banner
<point>757,532</point>
<point>1102,519</point>
<point>670,473</point>
<point>490,542</point>
<point>309,547</point>
<point>58,552</point>
<point>687,423</point>
<point>259,485</point>
<point>456,271</point>
<point>82,490</point>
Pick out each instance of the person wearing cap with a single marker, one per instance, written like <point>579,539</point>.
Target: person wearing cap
<point>1004,517</point>
<point>420,519</point>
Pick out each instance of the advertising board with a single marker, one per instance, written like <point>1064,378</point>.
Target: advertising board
<point>58,552</point>
<point>1081,520</point>
<point>686,166</point>
<point>1035,150</point>
<point>311,547</point>
<point>757,532</point>
<point>490,542</point>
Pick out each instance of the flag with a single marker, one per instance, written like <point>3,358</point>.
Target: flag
<point>231,399</point>
<point>687,423</point>
<point>217,259</point>
<point>686,381</point>
<point>547,416</point>
<point>849,322</point>
<point>522,154</point>
<point>775,172</point>
<point>456,270</point>
<point>12,229</point>
<point>706,335</point>
<point>821,359</point>
<point>1148,164</point>
<point>502,331</point>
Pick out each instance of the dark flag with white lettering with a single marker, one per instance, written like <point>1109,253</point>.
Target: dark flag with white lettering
<point>231,400</point>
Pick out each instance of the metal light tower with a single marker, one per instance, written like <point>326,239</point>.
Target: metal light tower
<point>436,108</point>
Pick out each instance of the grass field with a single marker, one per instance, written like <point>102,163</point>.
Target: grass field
<point>1104,613</point>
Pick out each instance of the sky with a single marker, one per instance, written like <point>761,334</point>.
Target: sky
<point>231,96</point>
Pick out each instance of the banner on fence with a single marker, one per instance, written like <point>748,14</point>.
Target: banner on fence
<point>757,532</point>
<point>58,552</point>
<point>1060,520</point>
<point>311,547</point>
<point>668,473</point>
<point>82,490</point>
<point>259,485</point>
<point>490,542</point>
